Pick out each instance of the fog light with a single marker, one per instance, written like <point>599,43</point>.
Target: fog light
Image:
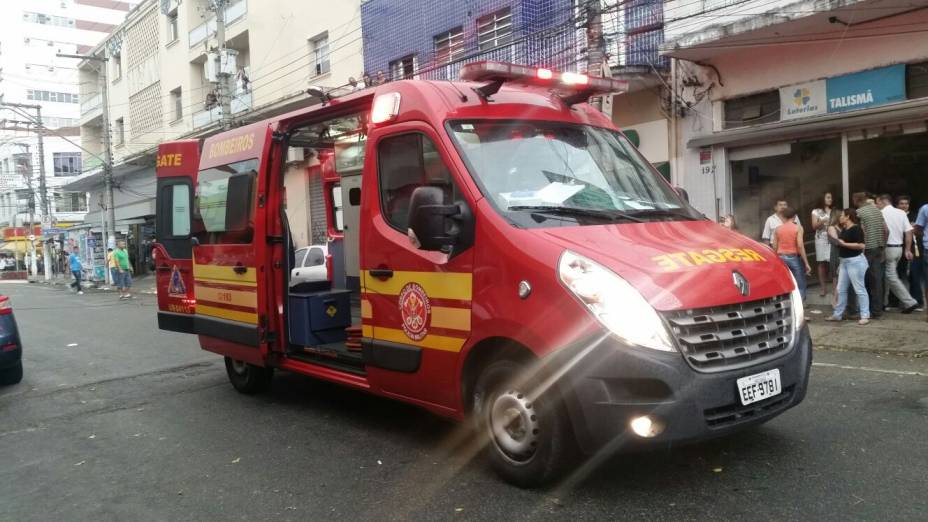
<point>646,426</point>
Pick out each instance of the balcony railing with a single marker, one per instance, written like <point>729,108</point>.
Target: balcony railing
<point>203,31</point>
<point>91,102</point>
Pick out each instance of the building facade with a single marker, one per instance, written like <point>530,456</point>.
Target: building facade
<point>163,74</point>
<point>34,33</point>
<point>793,99</point>
<point>430,39</point>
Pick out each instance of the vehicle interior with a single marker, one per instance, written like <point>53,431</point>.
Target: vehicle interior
<point>325,159</point>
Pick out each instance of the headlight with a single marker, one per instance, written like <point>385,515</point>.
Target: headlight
<point>614,302</point>
<point>795,306</point>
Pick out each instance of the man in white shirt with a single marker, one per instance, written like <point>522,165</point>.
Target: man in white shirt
<point>898,244</point>
<point>775,220</point>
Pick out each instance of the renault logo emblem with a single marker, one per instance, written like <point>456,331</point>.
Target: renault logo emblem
<point>741,283</point>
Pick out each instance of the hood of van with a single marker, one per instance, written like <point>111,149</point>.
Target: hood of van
<point>680,264</point>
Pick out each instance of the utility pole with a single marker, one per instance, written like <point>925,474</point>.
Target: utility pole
<point>224,90</point>
<point>109,229</point>
<point>43,194</point>
<point>595,44</point>
<point>27,175</point>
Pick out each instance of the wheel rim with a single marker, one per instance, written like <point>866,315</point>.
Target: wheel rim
<point>514,425</point>
<point>239,367</point>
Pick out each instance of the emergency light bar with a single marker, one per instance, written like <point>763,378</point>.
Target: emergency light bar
<point>500,72</point>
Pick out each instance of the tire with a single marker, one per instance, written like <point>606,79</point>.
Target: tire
<point>248,378</point>
<point>538,446</point>
<point>12,375</point>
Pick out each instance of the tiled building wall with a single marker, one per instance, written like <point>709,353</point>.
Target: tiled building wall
<point>543,33</point>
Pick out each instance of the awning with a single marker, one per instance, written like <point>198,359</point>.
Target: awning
<point>898,113</point>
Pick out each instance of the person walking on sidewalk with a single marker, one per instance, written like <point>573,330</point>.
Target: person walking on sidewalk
<point>112,267</point>
<point>914,267</point>
<point>898,245</point>
<point>851,246</point>
<point>788,244</point>
<point>74,263</point>
<point>874,227</point>
<point>921,223</point>
<point>125,271</point>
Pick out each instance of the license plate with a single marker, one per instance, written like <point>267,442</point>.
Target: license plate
<point>759,386</point>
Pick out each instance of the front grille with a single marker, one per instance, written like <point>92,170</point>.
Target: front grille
<point>736,413</point>
<point>733,336</point>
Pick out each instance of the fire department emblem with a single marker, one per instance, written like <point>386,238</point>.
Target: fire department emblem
<point>415,311</point>
<point>177,288</point>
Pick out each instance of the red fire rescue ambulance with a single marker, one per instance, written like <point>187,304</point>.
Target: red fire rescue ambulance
<point>498,253</point>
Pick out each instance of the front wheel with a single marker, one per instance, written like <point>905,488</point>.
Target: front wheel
<point>12,375</point>
<point>529,443</point>
<point>248,378</point>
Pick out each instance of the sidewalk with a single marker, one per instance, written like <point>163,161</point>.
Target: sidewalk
<point>894,333</point>
<point>142,285</point>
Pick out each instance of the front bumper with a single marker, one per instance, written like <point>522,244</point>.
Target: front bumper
<point>607,384</point>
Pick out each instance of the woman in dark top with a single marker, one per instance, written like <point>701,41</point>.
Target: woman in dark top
<point>853,266</point>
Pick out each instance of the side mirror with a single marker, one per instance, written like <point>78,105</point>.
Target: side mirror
<point>437,226</point>
<point>682,193</point>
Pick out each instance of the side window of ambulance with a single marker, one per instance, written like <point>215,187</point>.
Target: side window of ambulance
<point>407,162</point>
<point>225,202</point>
<point>174,211</point>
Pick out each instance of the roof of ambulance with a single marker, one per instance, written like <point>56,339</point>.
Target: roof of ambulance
<point>430,100</point>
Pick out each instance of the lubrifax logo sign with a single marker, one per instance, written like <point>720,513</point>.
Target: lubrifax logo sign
<point>802,101</point>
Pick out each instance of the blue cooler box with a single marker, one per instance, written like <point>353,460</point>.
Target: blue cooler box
<point>319,317</point>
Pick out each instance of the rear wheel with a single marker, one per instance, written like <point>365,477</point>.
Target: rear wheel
<point>248,378</point>
<point>529,443</point>
<point>12,375</point>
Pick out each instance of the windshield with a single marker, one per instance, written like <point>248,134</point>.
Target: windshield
<point>563,168</point>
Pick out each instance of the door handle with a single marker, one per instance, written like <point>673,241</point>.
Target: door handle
<point>239,268</point>
<point>381,273</point>
<point>297,274</point>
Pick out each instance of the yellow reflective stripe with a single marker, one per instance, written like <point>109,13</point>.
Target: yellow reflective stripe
<point>367,331</point>
<point>243,284</point>
<point>231,315</point>
<point>232,297</point>
<point>453,318</point>
<point>435,342</point>
<point>224,274</point>
<point>366,311</point>
<point>437,285</point>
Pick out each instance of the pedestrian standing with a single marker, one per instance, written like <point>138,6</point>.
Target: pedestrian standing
<point>875,232</point>
<point>125,270</point>
<point>851,245</point>
<point>728,221</point>
<point>834,233</point>
<point>789,245</point>
<point>921,223</point>
<point>775,220</point>
<point>914,268</point>
<point>821,219</point>
<point>112,267</point>
<point>74,263</point>
<point>898,246</point>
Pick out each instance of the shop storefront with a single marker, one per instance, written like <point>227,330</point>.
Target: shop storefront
<point>862,131</point>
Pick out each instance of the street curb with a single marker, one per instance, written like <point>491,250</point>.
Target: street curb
<point>837,348</point>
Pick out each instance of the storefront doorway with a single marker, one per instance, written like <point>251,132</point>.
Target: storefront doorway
<point>800,174</point>
<point>897,165</point>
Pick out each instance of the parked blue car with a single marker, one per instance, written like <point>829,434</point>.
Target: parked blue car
<point>11,349</point>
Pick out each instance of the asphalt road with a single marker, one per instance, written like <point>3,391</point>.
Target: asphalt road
<point>116,420</point>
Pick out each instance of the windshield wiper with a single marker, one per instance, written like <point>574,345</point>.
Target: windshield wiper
<point>609,215</point>
<point>664,212</point>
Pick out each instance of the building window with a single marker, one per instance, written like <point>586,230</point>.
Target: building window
<point>67,163</point>
<point>319,49</point>
<point>404,68</point>
<point>116,60</point>
<point>494,30</point>
<point>752,110</point>
<point>916,80</point>
<point>120,131</point>
<point>177,103</point>
<point>173,32</point>
<point>44,19</point>
<point>449,46</point>
<point>70,202</point>
<point>52,96</point>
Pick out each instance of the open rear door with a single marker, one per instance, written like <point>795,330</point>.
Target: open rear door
<point>176,172</point>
